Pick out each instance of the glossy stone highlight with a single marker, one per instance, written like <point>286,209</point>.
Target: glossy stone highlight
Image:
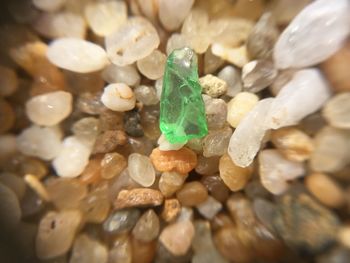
<point>182,112</point>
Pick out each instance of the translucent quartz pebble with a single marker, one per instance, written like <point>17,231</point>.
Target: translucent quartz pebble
<point>126,74</point>
<point>118,97</point>
<point>8,81</point>
<point>170,182</point>
<point>152,66</point>
<point>258,74</point>
<point>239,106</point>
<point>172,14</point>
<point>337,111</point>
<point>276,171</point>
<point>112,165</point>
<point>315,34</point>
<point>48,5</point>
<point>147,95</point>
<point>192,194</point>
<point>182,112</point>
<point>204,248</point>
<point>61,24</point>
<point>246,139</point>
<point>10,208</point>
<point>121,250</point>
<point>332,151</point>
<point>73,157</point>
<point>104,17</point>
<point>303,95</point>
<point>216,142</point>
<point>176,41</point>
<point>147,227</point>
<point>121,221</point>
<point>88,250</point>
<point>141,169</point>
<point>209,208</point>
<point>95,206</point>
<point>177,237</point>
<point>56,233</point>
<point>262,38</point>
<point>215,111</point>
<point>238,56</point>
<point>165,145</point>
<point>77,55</point>
<point>86,128</point>
<point>44,143</point>
<point>134,40</point>
<point>50,108</point>
<point>232,78</point>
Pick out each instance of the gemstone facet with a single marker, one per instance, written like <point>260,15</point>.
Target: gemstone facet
<point>182,111</point>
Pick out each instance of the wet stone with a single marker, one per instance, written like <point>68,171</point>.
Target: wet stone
<point>147,227</point>
<point>121,221</point>
<point>138,197</point>
<point>132,123</point>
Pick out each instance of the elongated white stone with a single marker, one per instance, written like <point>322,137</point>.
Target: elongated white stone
<point>316,33</point>
<point>303,95</point>
<point>246,140</point>
<point>77,55</point>
<point>173,13</point>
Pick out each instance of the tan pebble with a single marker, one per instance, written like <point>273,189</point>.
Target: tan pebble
<point>294,144</point>
<point>192,194</point>
<point>177,237</point>
<point>171,209</point>
<point>138,197</point>
<point>7,116</point>
<point>213,86</point>
<point>56,233</point>
<point>37,186</point>
<point>181,161</point>
<point>234,177</point>
<point>170,182</point>
<point>112,165</point>
<point>143,252</point>
<point>237,56</point>
<point>108,141</point>
<point>92,172</point>
<point>325,189</point>
<point>344,236</point>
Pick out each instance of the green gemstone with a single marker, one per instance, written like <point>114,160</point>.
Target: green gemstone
<point>182,111</point>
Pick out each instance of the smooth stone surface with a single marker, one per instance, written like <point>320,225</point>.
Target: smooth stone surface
<point>125,74</point>
<point>337,111</point>
<point>165,145</point>
<point>118,97</point>
<point>192,194</point>
<point>215,111</point>
<point>232,78</point>
<point>10,208</point>
<point>77,55</point>
<point>209,208</point>
<point>182,112</point>
<point>50,108</point>
<point>170,182</point>
<point>172,14</point>
<point>147,227</point>
<point>89,250</point>
<point>216,142</point>
<point>121,221</point>
<point>141,169</point>
<point>152,66</point>
<point>112,165</point>
<point>146,94</point>
<point>315,34</point>
<point>48,5</point>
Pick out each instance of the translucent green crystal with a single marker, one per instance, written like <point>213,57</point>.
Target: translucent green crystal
<point>182,112</point>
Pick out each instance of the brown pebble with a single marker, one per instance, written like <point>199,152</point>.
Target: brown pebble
<point>108,141</point>
<point>336,69</point>
<point>112,165</point>
<point>181,161</point>
<point>92,172</point>
<point>111,120</point>
<point>138,197</point>
<point>171,209</point>
<point>143,252</point>
<point>325,189</point>
<point>7,116</point>
<point>234,177</point>
<point>192,194</point>
<point>216,187</point>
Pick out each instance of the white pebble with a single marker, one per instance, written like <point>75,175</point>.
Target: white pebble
<point>126,74</point>
<point>316,33</point>
<point>165,145</point>
<point>42,142</point>
<point>134,40</point>
<point>62,24</point>
<point>48,5</point>
<point>337,111</point>
<point>104,17</point>
<point>246,140</point>
<point>276,171</point>
<point>303,95</point>
<point>153,65</point>
<point>118,97</point>
<point>77,55</point>
<point>173,13</point>
<point>73,157</point>
<point>141,169</point>
<point>50,108</point>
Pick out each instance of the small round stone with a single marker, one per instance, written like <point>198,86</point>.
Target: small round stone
<point>216,142</point>
<point>86,128</point>
<point>234,177</point>
<point>152,66</point>
<point>112,165</point>
<point>8,81</point>
<point>192,194</point>
<point>233,80</point>
<point>48,5</point>
<point>213,86</point>
<point>56,233</point>
<point>92,171</point>
<point>176,41</point>
<point>134,40</point>
<point>170,182</point>
<point>337,111</point>
<point>96,206</point>
<point>118,97</point>
<point>88,57</point>
<point>50,108</point>
<point>44,143</point>
<point>8,145</point>
<point>172,14</point>
<point>325,189</point>
<point>147,95</point>
<point>177,237</point>
<point>73,157</point>
<point>141,169</point>
<point>216,187</point>
<point>239,106</point>
<point>86,249</point>
<point>126,74</point>
<point>215,111</point>
<point>207,165</point>
<point>209,208</point>
<point>147,227</point>
<point>121,221</point>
